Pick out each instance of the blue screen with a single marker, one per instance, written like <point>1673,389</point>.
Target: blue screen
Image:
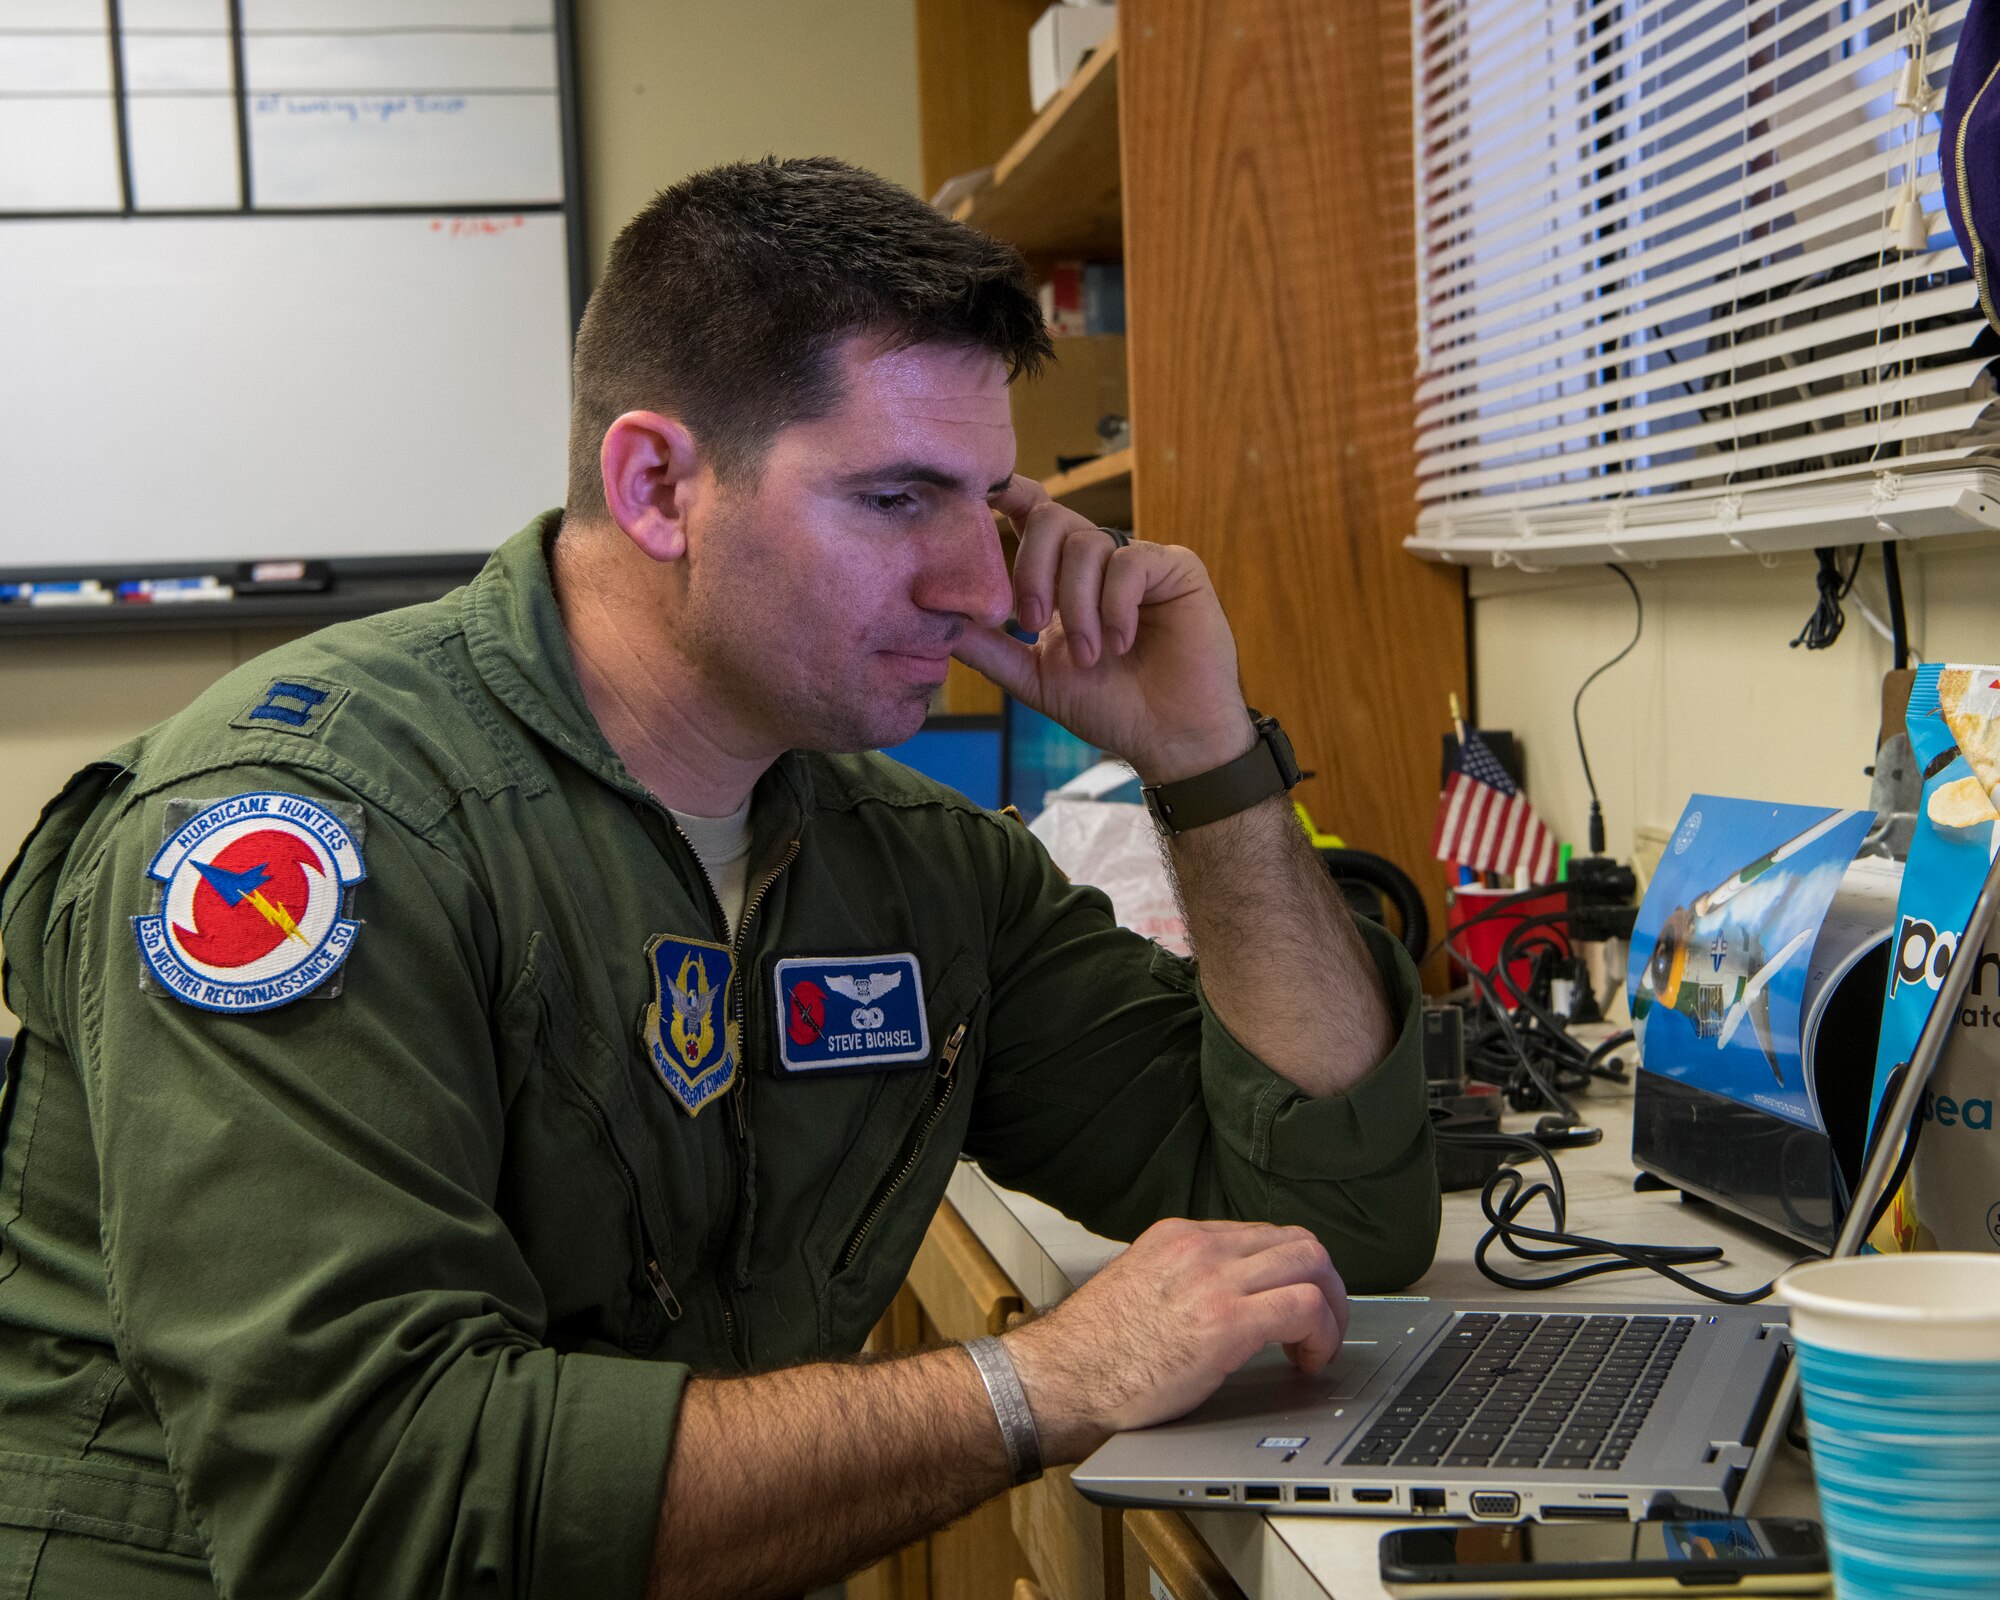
<point>963,752</point>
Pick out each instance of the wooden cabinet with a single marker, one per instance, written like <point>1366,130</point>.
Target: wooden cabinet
<point>1165,1559</point>
<point>1044,1534</point>
<point>1250,163</point>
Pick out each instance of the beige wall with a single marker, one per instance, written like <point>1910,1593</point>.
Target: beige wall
<point>1714,699</point>
<point>667,87</point>
<point>671,86</point>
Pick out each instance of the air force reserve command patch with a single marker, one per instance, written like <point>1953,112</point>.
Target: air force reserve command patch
<point>850,1014</point>
<point>689,1036</point>
<point>251,894</point>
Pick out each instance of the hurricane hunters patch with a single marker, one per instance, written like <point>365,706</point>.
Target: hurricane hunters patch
<point>252,891</point>
<point>688,1033</point>
<point>850,1013</point>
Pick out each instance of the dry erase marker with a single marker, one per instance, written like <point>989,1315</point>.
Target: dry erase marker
<point>158,591</point>
<point>77,592</point>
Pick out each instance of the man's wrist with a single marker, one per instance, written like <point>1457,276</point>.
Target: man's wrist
<point>1195,752</point>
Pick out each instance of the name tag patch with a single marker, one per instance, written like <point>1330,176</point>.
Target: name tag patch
<point>851,1013</point>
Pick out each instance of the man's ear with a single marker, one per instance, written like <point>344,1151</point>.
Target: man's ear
<point>652,474</point>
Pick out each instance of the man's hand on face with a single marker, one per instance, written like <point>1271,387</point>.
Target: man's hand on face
<point>1155,1332</point>
<point>1134,654</point>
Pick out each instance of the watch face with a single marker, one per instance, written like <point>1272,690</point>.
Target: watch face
<point>1281,750</point>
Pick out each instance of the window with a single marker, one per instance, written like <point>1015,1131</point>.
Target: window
<point>1686,282</point>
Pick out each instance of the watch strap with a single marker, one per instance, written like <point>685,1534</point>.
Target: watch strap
<point>1267,768</point>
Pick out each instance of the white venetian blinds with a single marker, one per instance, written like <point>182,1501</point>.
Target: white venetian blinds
<point>1686,283</point>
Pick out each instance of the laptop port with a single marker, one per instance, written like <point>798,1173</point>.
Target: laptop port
<point>1374,1497</point>
<point>1496,1503</point>
<point>1427,1500</point>
<point>1217,1491</point>
<point>1260,1491</point>
<point>1312,1494</point>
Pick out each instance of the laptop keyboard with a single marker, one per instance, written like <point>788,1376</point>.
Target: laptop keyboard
<point>1558,1393</point>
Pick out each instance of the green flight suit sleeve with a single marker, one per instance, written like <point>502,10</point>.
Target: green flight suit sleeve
<point>1111,1090</point>
<point>309,1283</point>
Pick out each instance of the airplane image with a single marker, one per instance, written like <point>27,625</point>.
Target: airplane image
<point>1713,969</point>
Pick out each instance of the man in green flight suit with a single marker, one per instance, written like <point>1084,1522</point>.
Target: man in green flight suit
<point>484,1068</point>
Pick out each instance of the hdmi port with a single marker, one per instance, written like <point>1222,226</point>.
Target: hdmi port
<point>1373,1497</point>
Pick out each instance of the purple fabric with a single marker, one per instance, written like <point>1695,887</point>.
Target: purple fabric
<point>1971,141</point>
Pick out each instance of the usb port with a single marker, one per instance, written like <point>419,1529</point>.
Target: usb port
<point>1312,1493</point>
<point>1373,1497</point>
<point>1260,1491</point>
<point>1217,1491</point>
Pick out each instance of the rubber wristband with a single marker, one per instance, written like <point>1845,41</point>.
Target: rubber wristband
<point>1023,1441</point>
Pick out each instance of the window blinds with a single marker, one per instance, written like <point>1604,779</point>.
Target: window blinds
<point>1686,283</point>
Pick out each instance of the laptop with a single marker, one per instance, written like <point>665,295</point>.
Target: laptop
<point>1509,1408</point>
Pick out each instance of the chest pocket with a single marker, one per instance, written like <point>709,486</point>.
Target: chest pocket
<point>897,1135</point>
<point>570,1192</point>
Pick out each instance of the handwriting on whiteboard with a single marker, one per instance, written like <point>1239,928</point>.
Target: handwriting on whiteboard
<point>475,227</point>
<point>360,107</point>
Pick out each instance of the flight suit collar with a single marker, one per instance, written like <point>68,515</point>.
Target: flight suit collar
<point>514,633</point>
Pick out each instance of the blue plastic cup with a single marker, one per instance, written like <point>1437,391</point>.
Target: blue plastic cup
<point>1899,1361</point>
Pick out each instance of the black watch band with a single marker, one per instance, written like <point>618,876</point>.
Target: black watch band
<point>1266,768</point>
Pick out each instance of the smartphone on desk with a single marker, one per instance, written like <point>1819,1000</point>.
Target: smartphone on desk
<point>1498,1561</point>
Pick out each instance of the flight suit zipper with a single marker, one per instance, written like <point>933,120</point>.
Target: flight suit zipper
<point>740,1098</point>
<point>738,1091</point>
<point>656,1279</point>
<point>940,1099</point>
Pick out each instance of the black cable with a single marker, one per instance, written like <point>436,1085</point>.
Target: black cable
<point>1507,1194</point>
<point>1500,907</point>
<point>1576,707</point>
<point>1827,619</point>
<point>1899,622</point>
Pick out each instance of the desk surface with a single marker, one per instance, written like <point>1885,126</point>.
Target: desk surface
<point>1304,1558</point>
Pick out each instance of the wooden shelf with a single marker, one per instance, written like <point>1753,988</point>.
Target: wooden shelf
<point>1100,489</point>
<point>1056,192</point>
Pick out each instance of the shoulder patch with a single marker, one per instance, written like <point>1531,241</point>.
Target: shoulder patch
<point>688,1032</point>
<point>295,704</point>
<point>252,891</point>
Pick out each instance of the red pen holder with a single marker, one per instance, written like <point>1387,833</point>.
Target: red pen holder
<point>1479,945</point>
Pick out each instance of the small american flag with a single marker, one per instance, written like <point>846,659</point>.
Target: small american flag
<point>1484,822</point>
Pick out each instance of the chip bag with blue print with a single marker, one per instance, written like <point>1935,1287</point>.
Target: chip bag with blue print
<point>1952,1198</point>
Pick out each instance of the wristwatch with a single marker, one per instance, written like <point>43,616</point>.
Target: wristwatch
<point>1268,767</point>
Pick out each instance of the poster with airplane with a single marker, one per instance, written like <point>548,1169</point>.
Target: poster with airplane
<point>1724,941</point>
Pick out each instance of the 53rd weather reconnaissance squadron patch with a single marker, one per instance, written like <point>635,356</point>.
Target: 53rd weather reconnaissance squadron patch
<point>688,1034</point>
<point>251,894</point>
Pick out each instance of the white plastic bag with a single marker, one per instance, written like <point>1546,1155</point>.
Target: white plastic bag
<point>1113,845</point>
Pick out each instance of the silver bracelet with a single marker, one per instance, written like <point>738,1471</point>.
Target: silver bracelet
<point>1010,1407</point>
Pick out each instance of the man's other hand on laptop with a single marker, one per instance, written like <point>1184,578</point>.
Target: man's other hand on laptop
<point>1155,1332</point>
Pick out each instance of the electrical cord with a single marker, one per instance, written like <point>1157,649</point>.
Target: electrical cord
<point>1827,619</point>
<point>1507,1194</point>
<point>1576,707</point>
<point>1899,624</point>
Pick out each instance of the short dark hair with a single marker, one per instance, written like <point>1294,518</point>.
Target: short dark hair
<point>725,301</point>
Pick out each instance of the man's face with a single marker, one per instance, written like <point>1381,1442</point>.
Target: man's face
<point>823,598</point>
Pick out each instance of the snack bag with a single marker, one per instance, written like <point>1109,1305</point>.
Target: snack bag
<point>1951,1200</point>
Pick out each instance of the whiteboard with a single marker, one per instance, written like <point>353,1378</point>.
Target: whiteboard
<point>235,388</point>
<point>284,278</point>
